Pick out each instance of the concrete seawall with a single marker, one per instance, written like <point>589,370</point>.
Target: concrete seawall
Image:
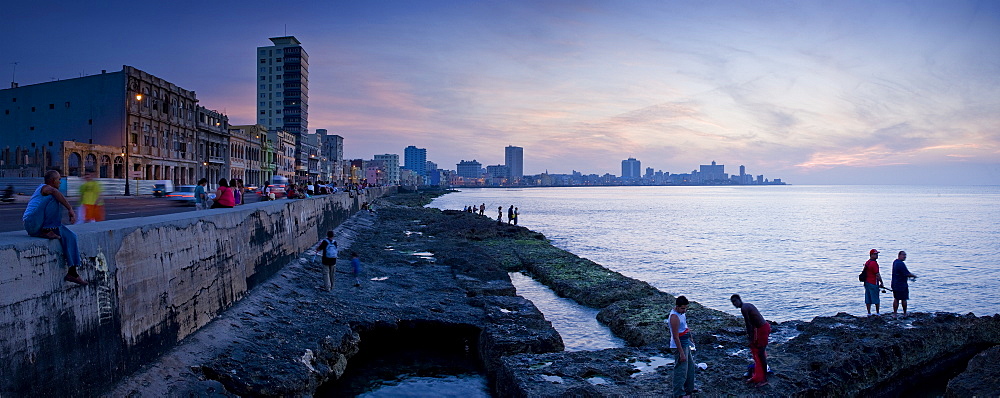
<point>154,280</point>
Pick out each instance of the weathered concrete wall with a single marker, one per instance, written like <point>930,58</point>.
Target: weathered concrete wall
<point>154,280</point>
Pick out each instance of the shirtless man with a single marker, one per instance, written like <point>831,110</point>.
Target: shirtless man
<point>758,331</point>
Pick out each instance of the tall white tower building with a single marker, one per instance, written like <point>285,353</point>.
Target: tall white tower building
<point>283,86</point>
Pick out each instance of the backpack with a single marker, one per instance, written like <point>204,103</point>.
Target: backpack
<point>863,275</point>
<point>331,249</point>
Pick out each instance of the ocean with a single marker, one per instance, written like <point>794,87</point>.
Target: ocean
<point>794,251</point>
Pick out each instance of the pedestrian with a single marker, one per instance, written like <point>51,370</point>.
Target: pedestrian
<point>873,281</point>
<point>510,214</point>
<point>482,209</point>
<point>200,196</point>
<point>758,331</point>
<point>224,196</point>
<point>499,214</point>
<point>42,219</point>
<point>900,287</point>
<point>683,344</point>
<point>515,216</point>
<point>90,199</point>
<point>328,247</point>
<point>237,195</point>
<point>356,265</point>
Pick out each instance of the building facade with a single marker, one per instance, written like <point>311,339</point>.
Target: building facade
<point>415,159</point>
<point>284,153</point>
<point>128,124</point>
<point>514,160</point>
<point>469,169</point>
<point>283,86</point>
<point>213,145</point>
<point>390,165</point>
<point>631,169</point>
<point>248,143</point>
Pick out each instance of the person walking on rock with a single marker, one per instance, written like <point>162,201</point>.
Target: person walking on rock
<point>873,281</point>
<point>328,247</point>
<point>683,344</point>
<point>758,331</point>
<point>515,216</point>
<point>42,219</point>
<point>482,209</point>
<point>510,214</point>
<point>900,287</point>
<point>499,214</point>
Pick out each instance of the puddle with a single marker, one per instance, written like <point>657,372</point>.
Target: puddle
<point>552,379</point>
<point>597,380</point>
<point>649,366</point>
<point>576,324</point>
<point>380,278</point>
<point>408,233</point>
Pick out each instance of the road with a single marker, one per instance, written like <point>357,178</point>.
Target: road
<point>114,208</point>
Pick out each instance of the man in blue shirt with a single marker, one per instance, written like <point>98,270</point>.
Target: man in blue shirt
<point>200,197</point>
<point>900,288</point>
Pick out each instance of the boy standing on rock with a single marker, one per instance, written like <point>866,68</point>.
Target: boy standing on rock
<point>758,331</point>
<point>680,340</point>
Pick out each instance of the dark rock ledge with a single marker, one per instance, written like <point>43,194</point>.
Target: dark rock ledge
<point>288,337</point>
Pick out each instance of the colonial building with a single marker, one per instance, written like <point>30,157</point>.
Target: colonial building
<point>284,153</point>
<point>121,124</point>
<point>248,143</point>
<point>213,145</point>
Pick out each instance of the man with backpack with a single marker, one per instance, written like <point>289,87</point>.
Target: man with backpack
<point>328,247</point>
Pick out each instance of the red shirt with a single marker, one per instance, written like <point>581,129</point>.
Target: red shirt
<point>226,197</point>
<point>871,268</point>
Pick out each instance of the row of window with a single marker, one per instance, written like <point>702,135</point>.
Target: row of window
<point>264,60</point>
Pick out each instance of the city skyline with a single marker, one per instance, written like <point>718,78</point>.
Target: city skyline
<point>814,93</point>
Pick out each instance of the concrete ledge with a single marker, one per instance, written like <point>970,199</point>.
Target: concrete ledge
<point>154,280</point>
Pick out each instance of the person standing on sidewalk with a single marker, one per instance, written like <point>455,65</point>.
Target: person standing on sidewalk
<point>43,219</point>
<point>683,344</point>
<point>758,331</point>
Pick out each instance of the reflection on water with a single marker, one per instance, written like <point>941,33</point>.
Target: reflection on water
<point>793,251</point>
<point>576,324</point>
<point>465,385</point>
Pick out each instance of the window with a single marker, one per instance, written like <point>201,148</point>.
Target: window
<point>261,112</point>
<point>32,128</point>
<point>6,112</point>
<point>262,78</point>
<point>67,104</point>
<point>263,104</point>
<point>277,94</point>
<point>263,52</point>
<point>277,68</point>
<point>277,85</point>
<point>52,106</point>
<point>277,60</point>
<point>263,95</point>
<point>90,121</point>
<point>32,109</point>
<point>263,61</point>
<point>263,86</point>
<point>278,111</point>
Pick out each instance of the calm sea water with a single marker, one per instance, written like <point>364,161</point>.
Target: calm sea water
<point>794,251</point>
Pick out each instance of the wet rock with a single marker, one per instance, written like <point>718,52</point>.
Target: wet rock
<point>981,377</point>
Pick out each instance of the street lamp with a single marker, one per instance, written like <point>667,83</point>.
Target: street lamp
<point>127,166</point>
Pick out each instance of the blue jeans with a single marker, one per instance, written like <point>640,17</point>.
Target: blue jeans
<point>48,216</point>
<point>684,371</point>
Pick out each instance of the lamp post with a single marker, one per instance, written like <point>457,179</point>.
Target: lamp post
<point>127,167</point>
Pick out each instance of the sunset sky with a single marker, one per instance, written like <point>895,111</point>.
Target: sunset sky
<point>873,92</point>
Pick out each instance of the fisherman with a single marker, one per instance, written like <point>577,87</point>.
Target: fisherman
<point>758,331</point>
<point>873,281</point>
<point>900,288</point>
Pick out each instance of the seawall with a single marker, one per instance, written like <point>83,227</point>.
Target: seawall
<point>154,281</point>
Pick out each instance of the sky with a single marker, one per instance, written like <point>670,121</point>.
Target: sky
<point>812,92</point>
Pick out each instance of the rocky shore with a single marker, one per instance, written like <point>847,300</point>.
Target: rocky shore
<point>437,278</point>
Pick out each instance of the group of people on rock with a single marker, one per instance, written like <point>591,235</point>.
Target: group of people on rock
<point>758,329</point>
<point>512,212</point>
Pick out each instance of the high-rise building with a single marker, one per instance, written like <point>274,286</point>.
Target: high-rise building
<point>469,169</point>
<point>713,172</point>
<point>415,159</point>
<point>514,160</point>
<point>631,169</point>
<point>283,86</point>
<point>390,164</point>
<point>332,152</point>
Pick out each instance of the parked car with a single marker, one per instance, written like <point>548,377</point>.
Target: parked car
<point>184,195</point>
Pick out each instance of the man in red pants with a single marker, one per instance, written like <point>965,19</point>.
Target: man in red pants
<point>757,331</point>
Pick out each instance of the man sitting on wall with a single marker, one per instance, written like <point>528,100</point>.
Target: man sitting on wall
<point>43,219</point>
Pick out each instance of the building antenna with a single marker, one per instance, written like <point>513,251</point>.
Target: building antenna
<point>286,29</point>
<point>12,74</point>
